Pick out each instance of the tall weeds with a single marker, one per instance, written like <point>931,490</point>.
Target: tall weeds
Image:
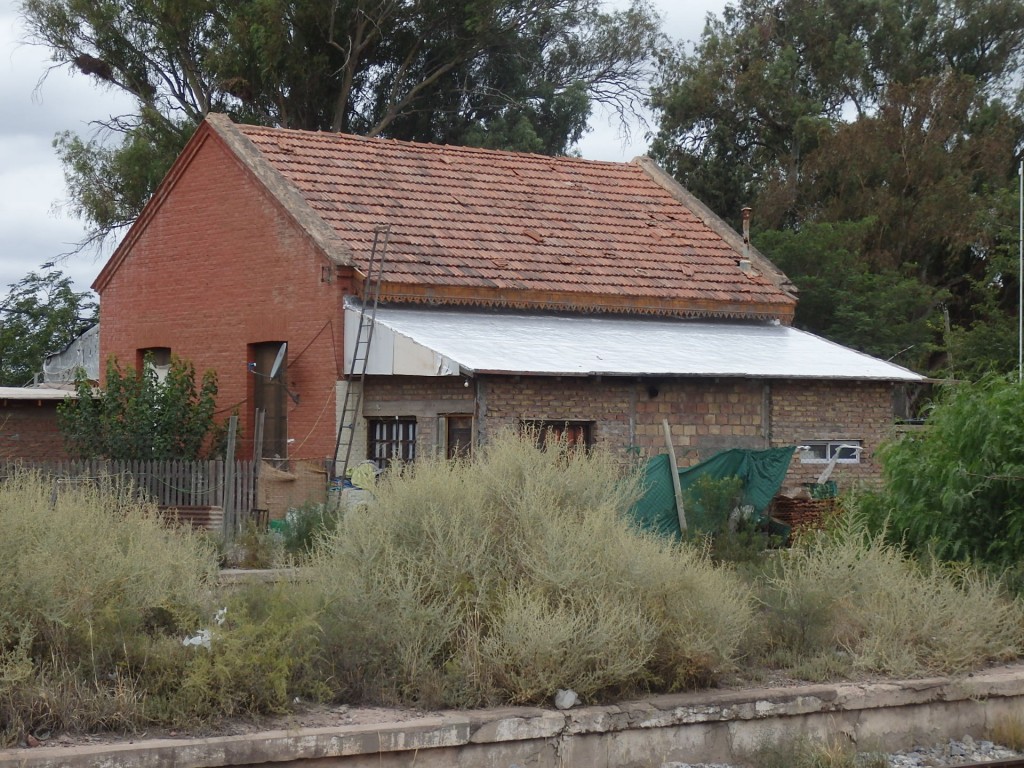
<point>508,577</point>
<point>96,598</point>
<point>88,574</point>
<point>849,595</point>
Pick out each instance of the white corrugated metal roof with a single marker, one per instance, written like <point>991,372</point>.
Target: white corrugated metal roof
<point>438,342</point>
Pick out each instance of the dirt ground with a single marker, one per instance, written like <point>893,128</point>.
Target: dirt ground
<point>305,716</point>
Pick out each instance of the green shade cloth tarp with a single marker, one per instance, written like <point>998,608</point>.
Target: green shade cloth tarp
<point>762,472</point>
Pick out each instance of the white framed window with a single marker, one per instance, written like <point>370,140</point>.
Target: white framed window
<point>824,451</point>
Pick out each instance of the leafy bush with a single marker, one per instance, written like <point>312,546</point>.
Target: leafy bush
<point>846,600</point>
<point>955,488</point>
<point>732,536</point>
<point>505,578</point>
<point>136,416</point>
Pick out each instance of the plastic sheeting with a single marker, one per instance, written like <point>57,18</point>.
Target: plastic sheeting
<point>762,473</point>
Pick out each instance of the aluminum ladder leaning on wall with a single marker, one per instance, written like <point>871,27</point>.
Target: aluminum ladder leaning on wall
<point>353,401</point>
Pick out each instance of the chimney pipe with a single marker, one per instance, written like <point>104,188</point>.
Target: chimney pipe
<point>744,263</point>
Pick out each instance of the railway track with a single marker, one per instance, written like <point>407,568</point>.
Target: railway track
<point>1012,762</point>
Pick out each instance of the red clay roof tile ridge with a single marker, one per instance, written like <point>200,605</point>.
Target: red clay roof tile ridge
<point>429,146</point>
<point>777,277</point>
<point>284,191</point>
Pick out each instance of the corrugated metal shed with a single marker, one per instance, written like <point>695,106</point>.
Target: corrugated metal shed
<point>441,342</point>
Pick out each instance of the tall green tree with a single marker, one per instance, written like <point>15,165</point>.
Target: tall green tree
<point>888,313</point>
<point>137,416</point>
<point>41,314</point>
<point>518,74</point>
<point>897,112</point>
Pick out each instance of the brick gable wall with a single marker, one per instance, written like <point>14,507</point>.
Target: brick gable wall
<point>220,266</point>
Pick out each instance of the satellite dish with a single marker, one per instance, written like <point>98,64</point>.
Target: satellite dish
<point>276,367</point>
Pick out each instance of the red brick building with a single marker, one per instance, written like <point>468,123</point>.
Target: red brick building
<point>28,424</point>
<point>598,297</point>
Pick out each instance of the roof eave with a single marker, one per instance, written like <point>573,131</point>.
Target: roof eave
<point>563,301</point>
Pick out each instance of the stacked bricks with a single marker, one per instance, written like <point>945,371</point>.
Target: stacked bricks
<point>29,433</point>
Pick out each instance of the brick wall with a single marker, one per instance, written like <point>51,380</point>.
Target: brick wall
<point>420,397</point>
<point>833,410</point>
<point>216,265</point>
<point>706,415</point>
<point>28,431</point>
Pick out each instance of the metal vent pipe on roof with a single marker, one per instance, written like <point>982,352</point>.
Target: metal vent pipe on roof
<point>745,263</point>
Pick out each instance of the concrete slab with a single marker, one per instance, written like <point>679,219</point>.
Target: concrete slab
<point>704,726</point>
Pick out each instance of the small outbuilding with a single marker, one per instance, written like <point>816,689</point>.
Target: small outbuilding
<point>590,299</point>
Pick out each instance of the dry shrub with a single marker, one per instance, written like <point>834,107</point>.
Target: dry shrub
<point>1009,732</point>
<point>504,578</point>
<point>89,574</point>
<point>804,752</point>
<point>261,654</point>
<point>851,594</point>
<point>96,597</point>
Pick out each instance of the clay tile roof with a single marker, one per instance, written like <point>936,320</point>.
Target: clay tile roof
<point>476,226</point>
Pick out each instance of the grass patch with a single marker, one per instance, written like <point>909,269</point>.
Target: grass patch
<point>804,752</point>
<point>1009,732</point>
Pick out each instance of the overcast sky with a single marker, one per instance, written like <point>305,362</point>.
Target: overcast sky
<point>35,226</point>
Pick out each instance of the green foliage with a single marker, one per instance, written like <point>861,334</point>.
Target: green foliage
<point>138,417</point>
<point>505,578</point>
<point>108,184</point>
<point>307,525</point>
<point>41,314</point>
<point>714,499</point>
<point>954,488</point>
<point>894,123</point>
<point>254,547</point>
<point>884,312</point>
<point>520,74</point>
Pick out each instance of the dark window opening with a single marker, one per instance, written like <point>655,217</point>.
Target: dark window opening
<point>575,434</point>
<point>459,437</point>
<point>391,440</point>
<point>270,396</point>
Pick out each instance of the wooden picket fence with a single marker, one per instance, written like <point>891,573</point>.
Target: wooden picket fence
<point>176,484</point>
